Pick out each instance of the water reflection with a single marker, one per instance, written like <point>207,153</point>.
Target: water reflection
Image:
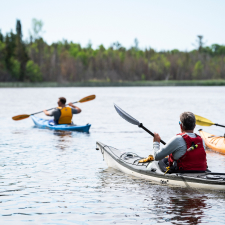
<point>64,139</point>
<point>161,203</point>
<point>62,133</point>
<point>187,207</point>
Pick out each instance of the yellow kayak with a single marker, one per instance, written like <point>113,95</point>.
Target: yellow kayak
<point>216,143</point>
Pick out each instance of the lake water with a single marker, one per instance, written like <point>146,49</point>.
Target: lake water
<point>50,177</point>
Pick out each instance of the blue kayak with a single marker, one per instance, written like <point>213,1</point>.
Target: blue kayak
<point>42,123</point>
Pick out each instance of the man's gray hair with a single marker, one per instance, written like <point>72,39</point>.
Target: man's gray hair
<point>188,120</point>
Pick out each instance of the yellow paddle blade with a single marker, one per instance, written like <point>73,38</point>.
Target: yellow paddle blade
<point>203,121</point>
<point>88,98</point>
<point>20,117</point>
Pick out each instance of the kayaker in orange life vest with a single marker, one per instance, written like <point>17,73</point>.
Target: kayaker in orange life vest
<point>186,150</point>
<point>63,114</point>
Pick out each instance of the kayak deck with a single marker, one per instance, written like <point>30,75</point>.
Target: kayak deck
<point>42,123</point>
<point>216,143</point>
<point>129,163</point>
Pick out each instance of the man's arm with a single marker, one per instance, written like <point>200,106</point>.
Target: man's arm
<point>172,146</point>
<point>47,113</point>
<point>52,113</point>
<point>75,107</point>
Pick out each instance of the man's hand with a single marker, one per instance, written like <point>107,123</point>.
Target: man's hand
<point>71,105</point>
<point>46,112</point>
<point>156,138</point>
<point>75,107</point>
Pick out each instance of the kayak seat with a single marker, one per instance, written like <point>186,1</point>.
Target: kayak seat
<point>52,123</point>
<point>163,164</point>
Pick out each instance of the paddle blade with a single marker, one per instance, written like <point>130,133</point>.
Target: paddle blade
<point>126,116</point>
<point>88,98</point>
<point>203,121</point>
<point>20,117</point>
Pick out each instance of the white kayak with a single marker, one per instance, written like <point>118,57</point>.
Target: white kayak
<point>129,163</point>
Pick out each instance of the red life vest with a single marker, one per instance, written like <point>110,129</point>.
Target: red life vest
<point>194,159</point>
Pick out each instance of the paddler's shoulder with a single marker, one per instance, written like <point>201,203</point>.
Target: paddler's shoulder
<point>175,139</point>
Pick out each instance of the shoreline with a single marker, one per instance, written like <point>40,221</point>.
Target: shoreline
<point>115,84</point>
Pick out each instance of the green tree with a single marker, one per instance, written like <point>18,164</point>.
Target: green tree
<point>33,72</point>
<point>198,70</point>
<point>2,62</point>
<point>15,67</point>
<point>19,29</point>
<point>10,44</point>
<point>20,51</point>
<point>1,36</point>
<point>37,26</point>
<point>159,66</point>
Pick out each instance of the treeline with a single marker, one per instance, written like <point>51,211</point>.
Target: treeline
<point>36,61</point>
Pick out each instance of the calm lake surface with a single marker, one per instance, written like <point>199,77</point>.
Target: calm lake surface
<point>50,177</point>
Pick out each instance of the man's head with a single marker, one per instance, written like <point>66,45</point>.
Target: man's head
<point>188,121</point>
<point>61,101</point>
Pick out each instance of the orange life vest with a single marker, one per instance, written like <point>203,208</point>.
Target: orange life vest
<point>66,115</point>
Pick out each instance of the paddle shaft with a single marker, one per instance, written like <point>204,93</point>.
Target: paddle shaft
<point>216,124</point>
<point>148,131</point>
<point>49,109</point>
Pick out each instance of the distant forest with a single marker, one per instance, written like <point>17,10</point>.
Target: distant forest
<point>37,61</point>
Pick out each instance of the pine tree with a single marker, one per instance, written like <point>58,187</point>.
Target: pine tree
<point>9,49</point>
<point>1,36</point>
<point>20,51</point>
<point>19,29</point>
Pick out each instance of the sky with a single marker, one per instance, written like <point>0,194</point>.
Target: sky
<point>159,24</point>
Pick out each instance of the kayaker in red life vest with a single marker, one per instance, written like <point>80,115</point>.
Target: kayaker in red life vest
<point>63,114</point>
<point>186,150</point>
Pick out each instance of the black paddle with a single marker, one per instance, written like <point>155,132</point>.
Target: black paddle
<point>130,119</point>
